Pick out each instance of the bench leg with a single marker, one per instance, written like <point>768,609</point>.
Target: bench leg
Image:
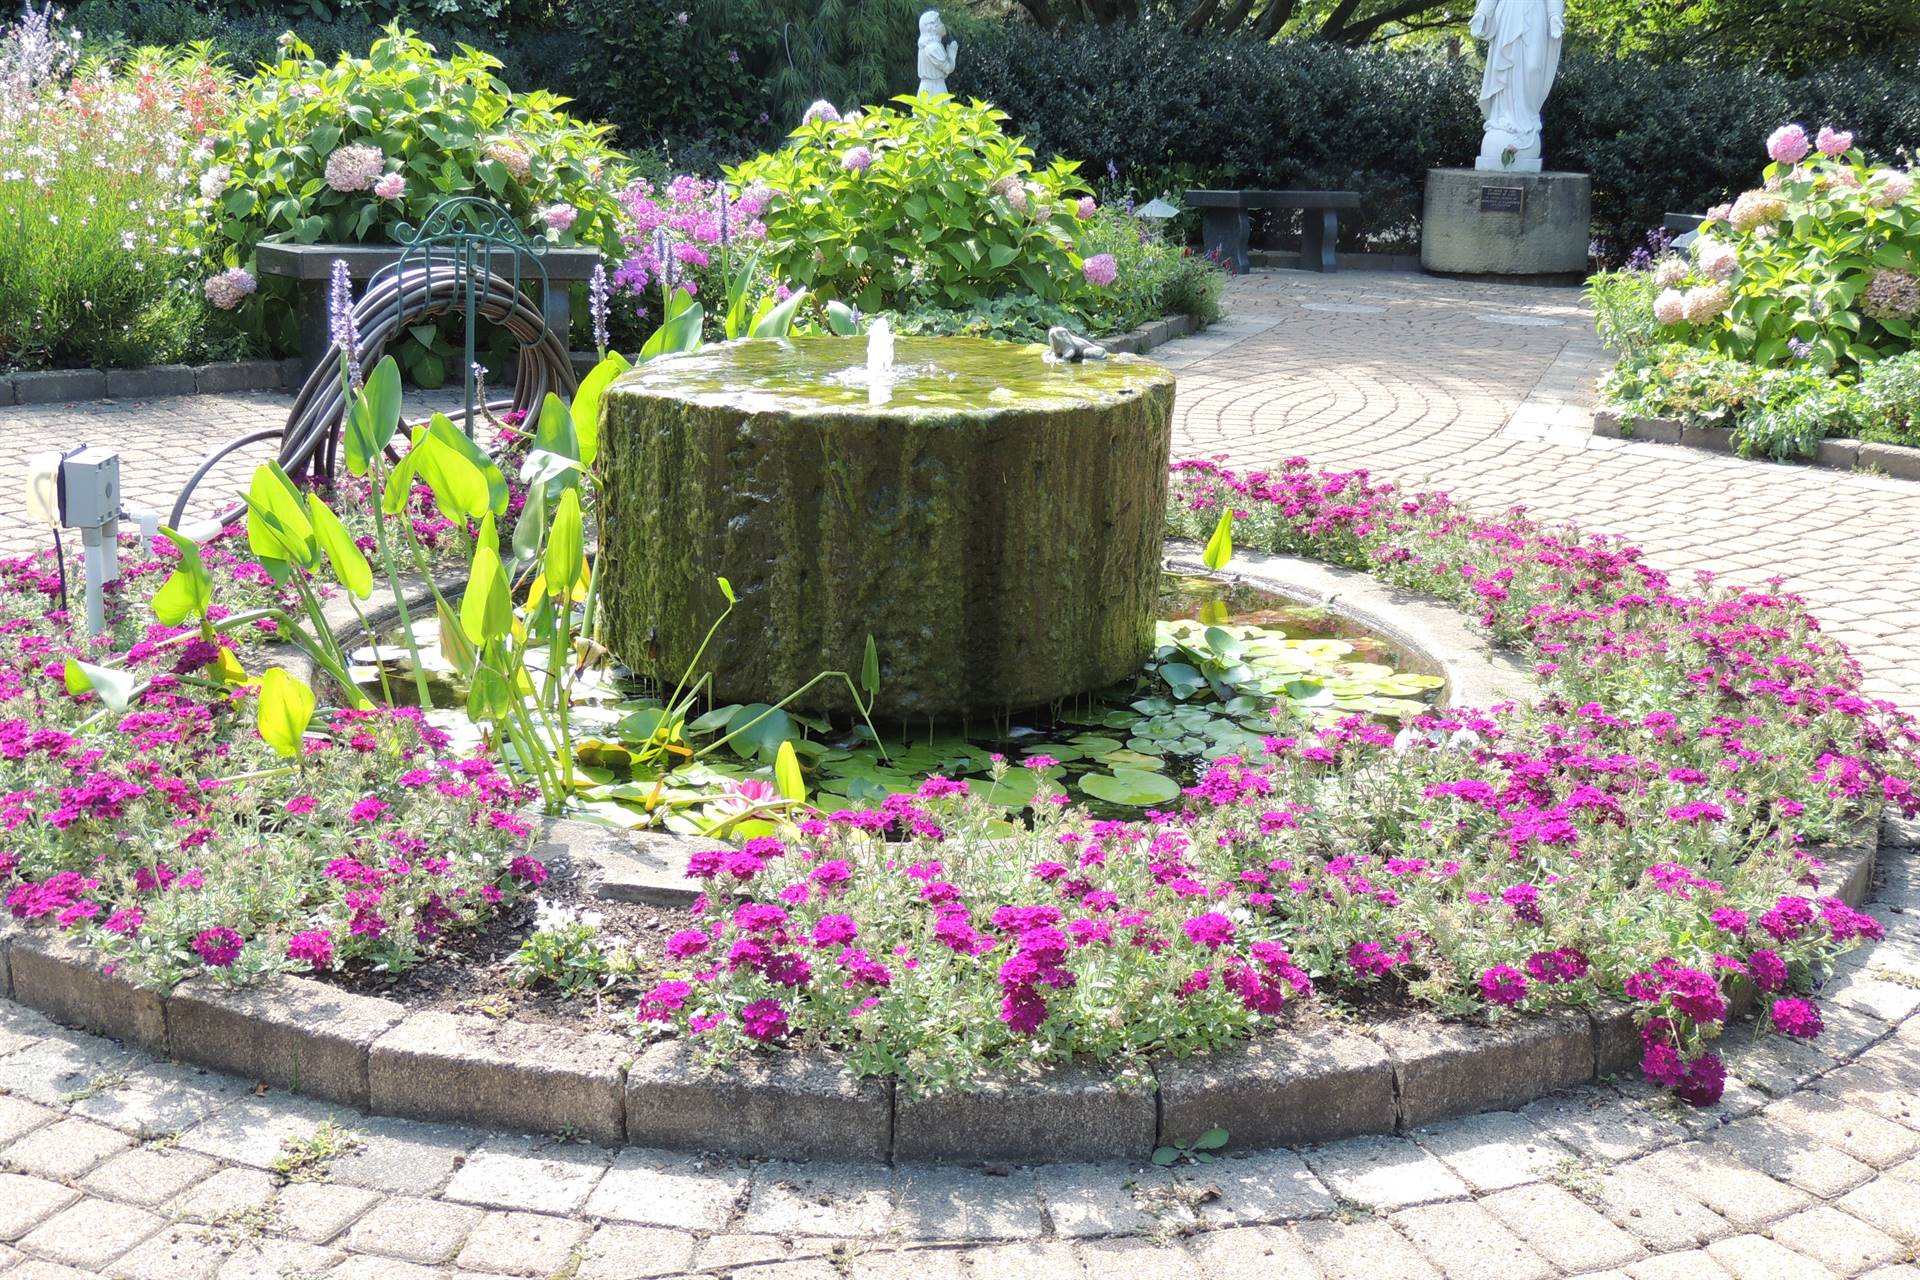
<point>1319,233</point>
<point>1223,235</point>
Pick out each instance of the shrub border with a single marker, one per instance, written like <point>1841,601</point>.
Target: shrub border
<point>1899,461</point>
<point>1294,1085</point>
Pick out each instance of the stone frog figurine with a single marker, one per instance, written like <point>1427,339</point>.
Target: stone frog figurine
<point>938,55</point>
<point>1068,347</point>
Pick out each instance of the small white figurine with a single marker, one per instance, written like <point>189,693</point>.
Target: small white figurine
<point>937,53</point>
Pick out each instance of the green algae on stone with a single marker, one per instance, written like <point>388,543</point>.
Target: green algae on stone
<point>996,525</point>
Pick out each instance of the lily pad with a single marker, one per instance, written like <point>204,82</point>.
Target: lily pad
<point>1134,787</point>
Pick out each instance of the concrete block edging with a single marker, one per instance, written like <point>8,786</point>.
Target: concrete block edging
<point>1294,1085</point>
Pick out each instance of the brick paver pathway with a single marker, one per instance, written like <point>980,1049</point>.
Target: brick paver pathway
<point>113,1164</point>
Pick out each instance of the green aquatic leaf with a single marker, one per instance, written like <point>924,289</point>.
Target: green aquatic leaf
<point>1135,787</point>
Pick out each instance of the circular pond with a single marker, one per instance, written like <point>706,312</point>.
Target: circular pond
<point>992,520</point>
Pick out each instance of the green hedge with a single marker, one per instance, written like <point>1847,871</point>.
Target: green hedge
<point>1170,110</point>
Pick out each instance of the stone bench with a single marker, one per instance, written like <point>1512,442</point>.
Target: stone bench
<point>310,265</point>
<point>1224,228</point>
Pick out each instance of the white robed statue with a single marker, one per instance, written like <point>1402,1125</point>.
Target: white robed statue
<point>937,53</point>
<point>1523,53</point>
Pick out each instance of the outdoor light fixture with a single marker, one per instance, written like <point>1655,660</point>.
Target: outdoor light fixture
<point>80,489</point>
<point>1156,210</point>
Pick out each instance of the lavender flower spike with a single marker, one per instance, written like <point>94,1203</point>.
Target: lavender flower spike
<point>343,327</point>
<point>597,307</point>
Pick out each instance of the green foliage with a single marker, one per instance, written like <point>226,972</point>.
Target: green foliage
<point>1891,392</point>
<point>949,209</point>
<point>1012,317</point>
<point>1622,303</point>
<point>445,126</point>
<point>1682,383</point>
<point>1789,35</point>
<point>1812,273</point>
<point>1798,410</point>
<point>1171,110</point>
<point>1154,278</point>
<point>566,951</point>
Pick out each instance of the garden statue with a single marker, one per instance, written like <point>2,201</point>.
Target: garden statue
<point>1068,347</point>
<point>1523,53</point>
<point>937,53</point>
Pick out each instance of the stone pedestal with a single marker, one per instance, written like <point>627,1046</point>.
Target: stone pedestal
<point>1508,223</point>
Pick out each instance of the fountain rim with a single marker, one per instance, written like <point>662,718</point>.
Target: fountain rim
<point>1144,377</point>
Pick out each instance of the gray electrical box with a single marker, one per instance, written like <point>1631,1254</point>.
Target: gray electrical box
<point>90,488</point>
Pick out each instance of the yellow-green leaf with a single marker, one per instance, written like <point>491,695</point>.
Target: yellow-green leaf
<point>586,404</point>
<point>486,611</point>
<point>188,590</point>
<point>566,547</point>
<point>786,774</point>
<point>285,710</point>
<point>459,489</point>
<point>350,567</point>
<point>1220,545</point>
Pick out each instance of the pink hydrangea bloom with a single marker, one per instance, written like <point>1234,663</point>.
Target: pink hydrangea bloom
<point>230,288</point>
<point>354,167</point>
<point>857,159</point>
<point>390,186</point>
<point>1833,142</point>
<point>559,217</point>
<point>1100,270</point>
<point>1788,144</point>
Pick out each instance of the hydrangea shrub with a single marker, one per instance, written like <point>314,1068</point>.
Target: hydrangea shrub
<point>1820,264</point>
<point>349,152</point>
<point>926,201</point>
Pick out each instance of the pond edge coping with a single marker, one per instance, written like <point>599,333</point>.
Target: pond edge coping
<point>1902,462</point>
<point>1284,1087</point>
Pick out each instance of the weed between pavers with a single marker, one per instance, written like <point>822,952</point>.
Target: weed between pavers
<point>105,1082</point>
<point>162,1142</point>
<point>1575,1176</point>
<point>239,1225</point>
<point>310,1159</point>
<point>1348,1212</point>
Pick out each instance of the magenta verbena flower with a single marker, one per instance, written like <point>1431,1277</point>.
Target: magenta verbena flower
<point>1793,1016</point>
<point>764,1020</point>
<point>1503,985</point>
<point>219,947</point>
<point>313,947</point>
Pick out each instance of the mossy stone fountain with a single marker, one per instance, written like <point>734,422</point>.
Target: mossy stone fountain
<point>992,519</point>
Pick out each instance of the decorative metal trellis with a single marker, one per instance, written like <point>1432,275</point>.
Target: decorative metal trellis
<point>467,255</point>
<point>466,236</point>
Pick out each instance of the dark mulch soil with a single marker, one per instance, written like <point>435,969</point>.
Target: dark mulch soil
<point>472,972</point>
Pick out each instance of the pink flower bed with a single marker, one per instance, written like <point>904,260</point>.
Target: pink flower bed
<point>175,842</point>
<point>1647,832</point>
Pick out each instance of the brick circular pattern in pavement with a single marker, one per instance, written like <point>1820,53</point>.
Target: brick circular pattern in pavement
<point>114,1164</point>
